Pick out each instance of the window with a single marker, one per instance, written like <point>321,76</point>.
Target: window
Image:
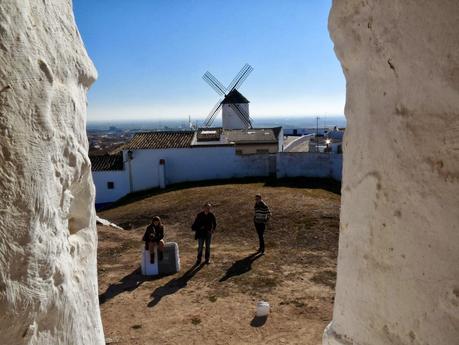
<point>110,185</point>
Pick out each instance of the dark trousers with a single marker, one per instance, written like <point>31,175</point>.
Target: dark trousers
<point>261,232</point>
<point>201,242</point>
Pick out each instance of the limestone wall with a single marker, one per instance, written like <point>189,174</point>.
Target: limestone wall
<point>48,281</point>
<point>398,264</point>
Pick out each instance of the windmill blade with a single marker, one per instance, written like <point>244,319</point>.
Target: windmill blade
<point>214,83</point>
<point>213,113</point>
<point>242,115</point>
<point>240,77</point>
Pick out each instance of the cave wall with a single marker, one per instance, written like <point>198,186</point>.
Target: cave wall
<point>48,275</point>
<point>398,263</point>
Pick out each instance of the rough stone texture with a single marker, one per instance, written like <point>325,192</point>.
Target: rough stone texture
<point>48,281</point>
<point>398,265</point>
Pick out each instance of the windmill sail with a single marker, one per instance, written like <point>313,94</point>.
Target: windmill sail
<point>227,93</point>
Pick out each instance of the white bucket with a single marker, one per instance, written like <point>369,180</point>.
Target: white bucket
<point>262,309</point>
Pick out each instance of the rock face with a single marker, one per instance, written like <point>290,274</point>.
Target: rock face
<point>398,264</point>
<point>48,280</point>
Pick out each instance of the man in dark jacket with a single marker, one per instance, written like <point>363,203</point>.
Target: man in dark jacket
<point>261,217</point>
<point>204,226</point>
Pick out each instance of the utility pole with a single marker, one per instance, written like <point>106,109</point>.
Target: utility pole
<point>317,134</point>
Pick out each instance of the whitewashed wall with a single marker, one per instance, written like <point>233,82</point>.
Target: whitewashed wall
<point>119,178</point>
<point>230,119</point>
<point>194,164</point>
<point>309,164</point>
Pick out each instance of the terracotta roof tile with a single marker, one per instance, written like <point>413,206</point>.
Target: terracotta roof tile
<point>107,162</point>
<point>160,140</point>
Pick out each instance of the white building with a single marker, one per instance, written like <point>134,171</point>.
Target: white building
<point>110,177</point>
<point>155,159</point>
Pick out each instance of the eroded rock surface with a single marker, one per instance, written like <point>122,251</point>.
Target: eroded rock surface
<point>48,281</point>
<point>398,271</point>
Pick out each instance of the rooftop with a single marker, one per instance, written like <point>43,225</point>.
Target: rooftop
<point>107,162</point>
<point>160,140</point>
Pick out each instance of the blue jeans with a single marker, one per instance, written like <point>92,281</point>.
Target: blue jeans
<point>201,242</point>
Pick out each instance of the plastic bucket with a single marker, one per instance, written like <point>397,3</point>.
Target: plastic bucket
<point>262,309</point>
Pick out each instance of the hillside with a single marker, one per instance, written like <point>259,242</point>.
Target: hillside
<point>215,304</point>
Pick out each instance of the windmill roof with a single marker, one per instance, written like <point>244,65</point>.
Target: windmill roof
<point>234,97</point>
<point>107,162</point>
<point>160,140</point>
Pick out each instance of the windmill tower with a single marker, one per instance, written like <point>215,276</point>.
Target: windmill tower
<point>234,106</point>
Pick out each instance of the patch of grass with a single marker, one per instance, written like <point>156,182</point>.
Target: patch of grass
<point>327,278</point>
<point>213,298</point>
<point>195,321</point>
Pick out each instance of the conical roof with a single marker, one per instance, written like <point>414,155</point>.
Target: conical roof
<point>234,97</point>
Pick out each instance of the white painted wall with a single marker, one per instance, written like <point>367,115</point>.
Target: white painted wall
<point>120,179</point>
<point>298,141</point>
<point>194,164</point>
<point>309,164</point>
<point>230,119</point>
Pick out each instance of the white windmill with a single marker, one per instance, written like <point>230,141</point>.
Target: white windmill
<point>234,106</point>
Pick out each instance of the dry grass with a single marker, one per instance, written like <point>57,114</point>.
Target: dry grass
<point>297,274</point>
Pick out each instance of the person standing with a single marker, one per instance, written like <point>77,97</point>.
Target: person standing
<point>153,237</point>
<point>204,226</point>
<point>261,217</point>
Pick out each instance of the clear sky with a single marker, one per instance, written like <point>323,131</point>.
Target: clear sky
<point>151,55</point>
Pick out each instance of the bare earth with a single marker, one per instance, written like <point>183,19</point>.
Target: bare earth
<point>215,304</point>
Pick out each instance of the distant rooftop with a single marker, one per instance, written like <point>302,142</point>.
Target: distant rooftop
<point>107,162</point>
<point>215,136</point>
<point>160,140</point>
<point>249,136</point>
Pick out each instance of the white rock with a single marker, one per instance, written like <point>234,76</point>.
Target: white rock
<point>398,265</point>
<point>48,277</point>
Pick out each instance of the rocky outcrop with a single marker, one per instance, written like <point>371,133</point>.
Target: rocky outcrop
<point>48,277</point>
<point>398,271</point>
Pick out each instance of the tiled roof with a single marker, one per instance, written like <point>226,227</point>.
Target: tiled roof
<point>107,162</point>
<point>160,140</point>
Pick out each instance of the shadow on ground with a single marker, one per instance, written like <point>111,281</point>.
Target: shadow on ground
<point>241,266</point>
<point>129,282</point>
<point>258,321</point>
<point>172,286</point>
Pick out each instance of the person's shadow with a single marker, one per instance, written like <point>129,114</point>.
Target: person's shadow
<point>172,286</point>
<point>129,282</point>
<point>241,266</point>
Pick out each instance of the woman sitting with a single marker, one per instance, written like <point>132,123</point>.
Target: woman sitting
<point>153,237</point>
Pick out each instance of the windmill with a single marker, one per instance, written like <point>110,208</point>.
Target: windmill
<point>235,107</point>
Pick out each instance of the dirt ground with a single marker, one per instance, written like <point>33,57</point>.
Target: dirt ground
<point>215,304</point>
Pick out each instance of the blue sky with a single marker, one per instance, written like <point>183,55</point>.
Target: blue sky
<point>151,55</point>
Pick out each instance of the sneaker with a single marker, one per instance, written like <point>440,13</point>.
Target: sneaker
<point>207,262</point>
<point>197,263</point>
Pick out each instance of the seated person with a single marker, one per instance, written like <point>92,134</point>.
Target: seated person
<point>153,236</point>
